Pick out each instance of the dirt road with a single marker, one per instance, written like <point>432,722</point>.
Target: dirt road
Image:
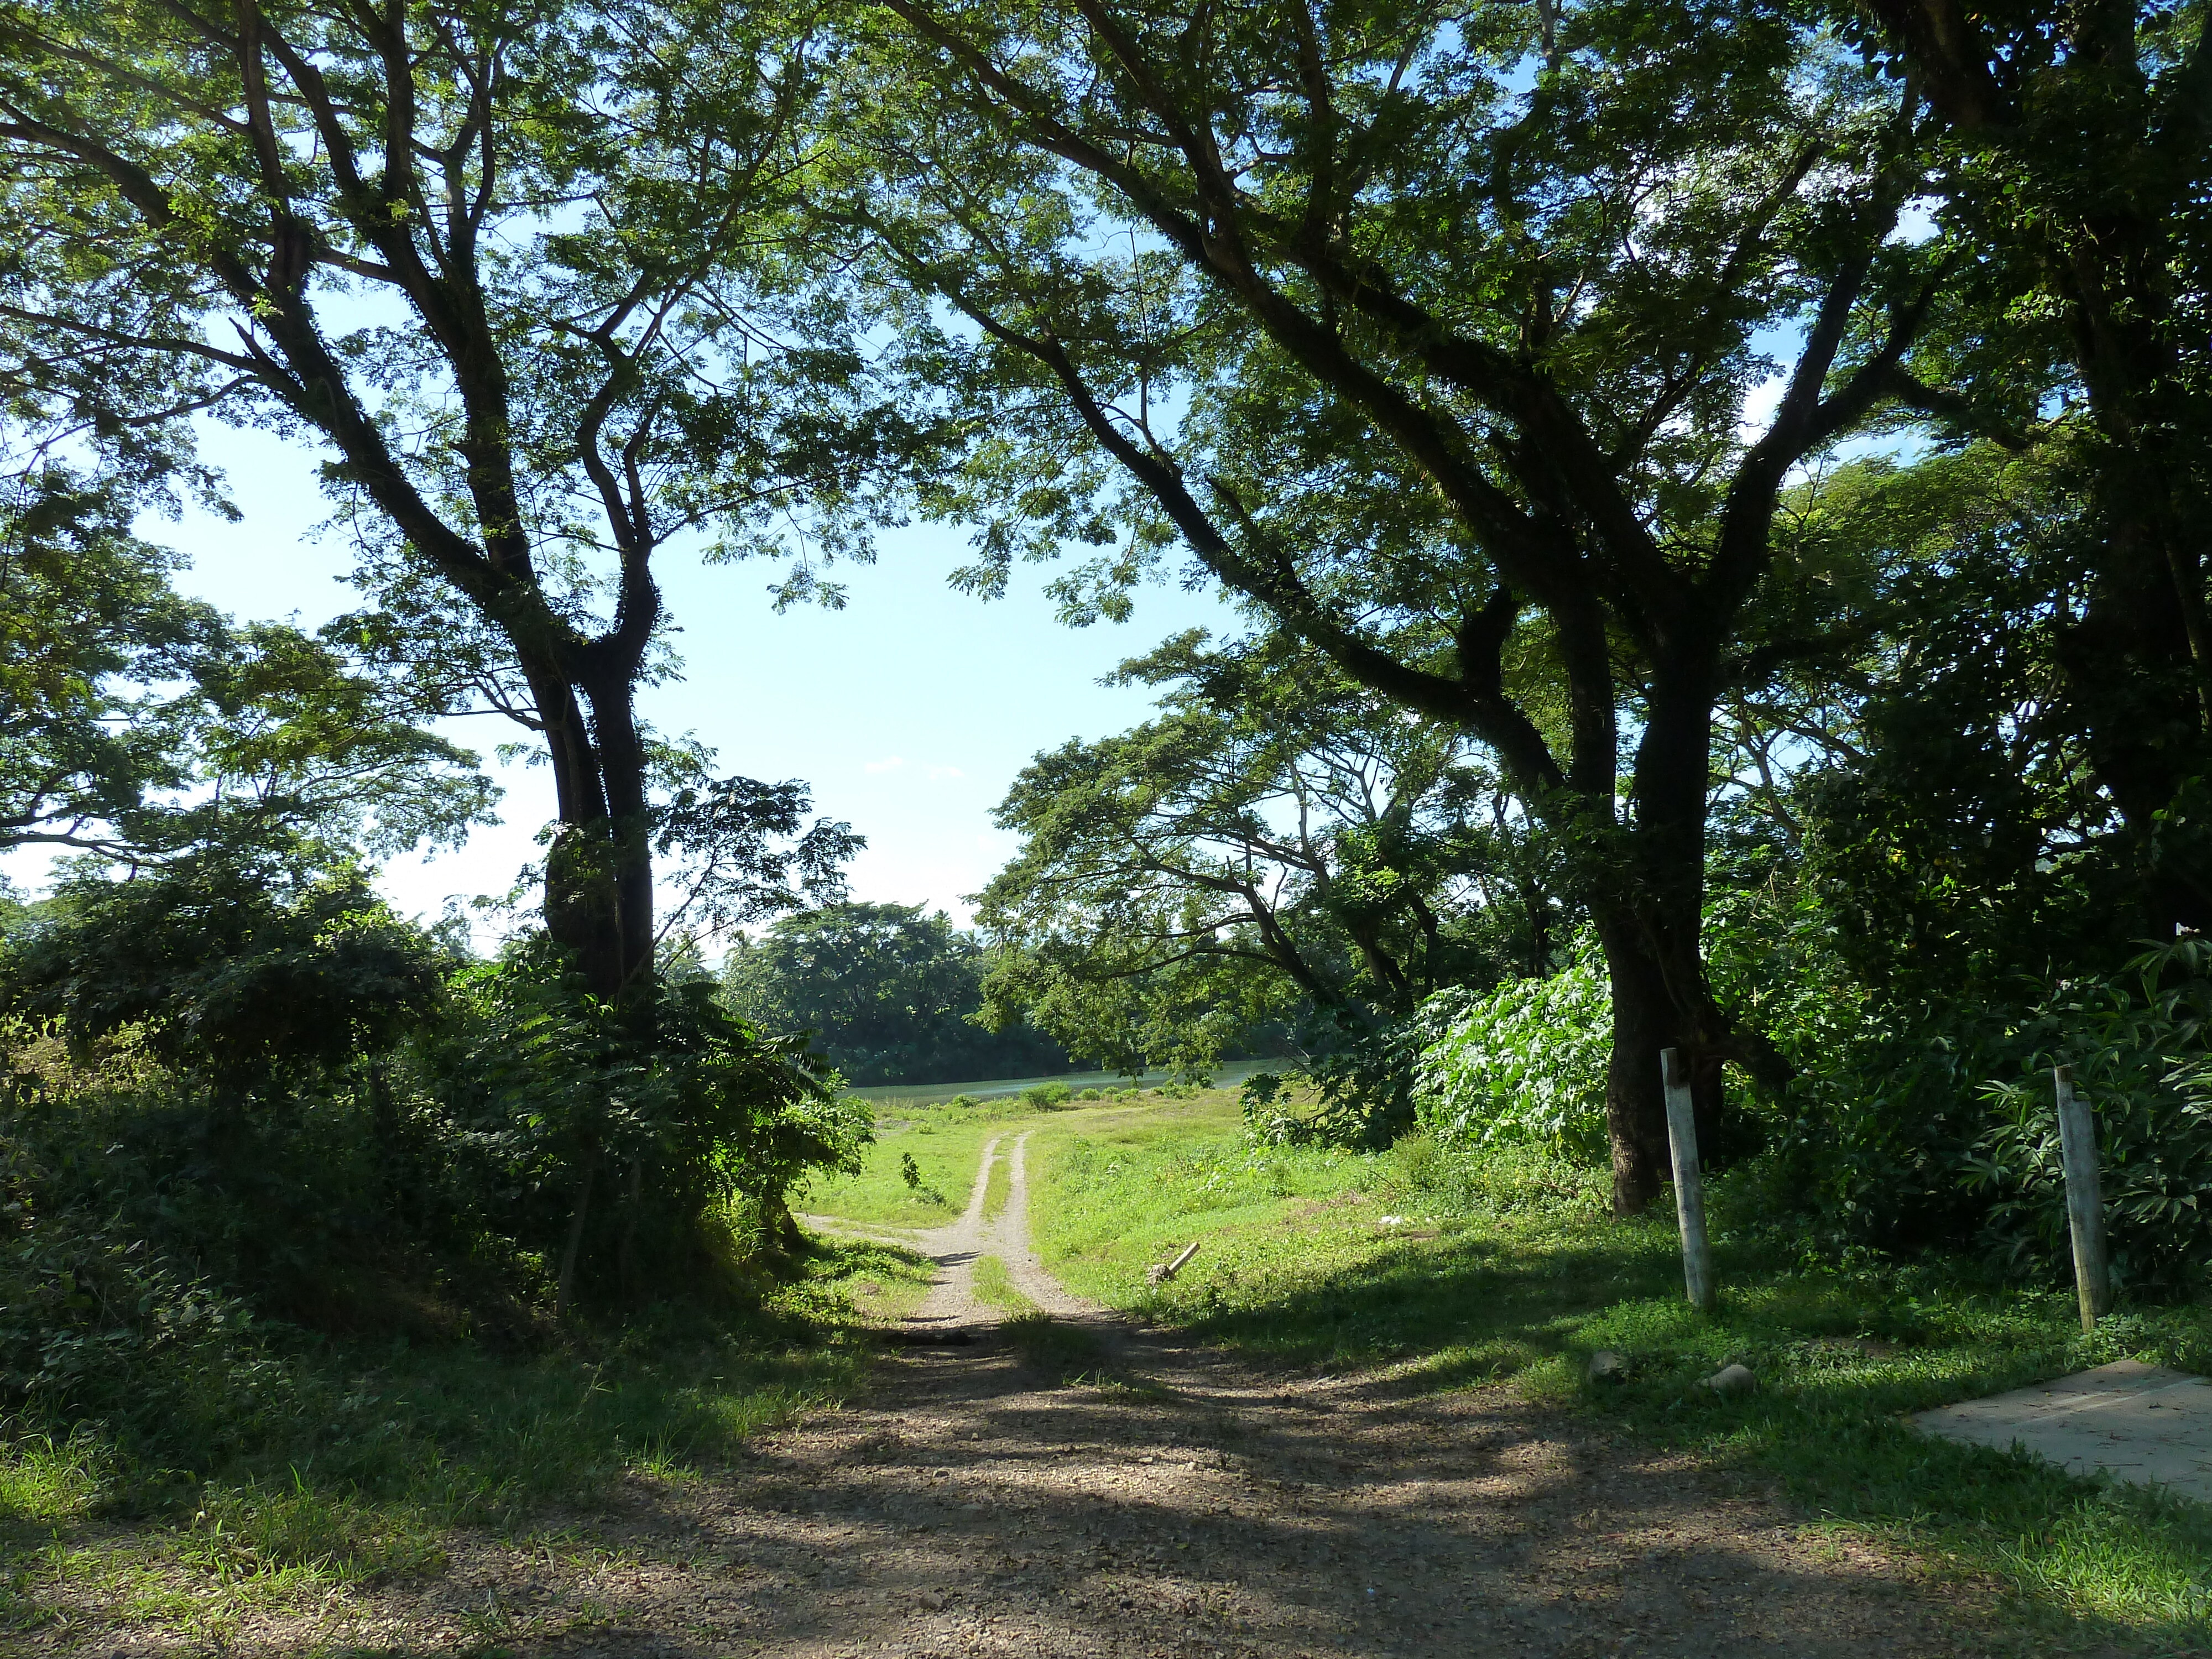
<point>952,1304</point>
<point>1196,1507</point>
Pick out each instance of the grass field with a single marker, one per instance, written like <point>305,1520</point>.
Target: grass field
<point>1459,1272</point>
<point>944,1142</point>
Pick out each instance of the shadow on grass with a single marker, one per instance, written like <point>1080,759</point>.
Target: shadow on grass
<point>1841,1360</point>
<point>1070,1355</point>
<point>298,1460</point>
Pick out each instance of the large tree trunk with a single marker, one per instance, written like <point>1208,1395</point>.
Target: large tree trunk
<point>1661,1000</point>
<point>1650,925</point>
<point>1635,1105</point>
<point>622,768</point>
<point>598,870</point>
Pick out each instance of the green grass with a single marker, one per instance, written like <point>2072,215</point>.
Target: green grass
<point>999,1184</point>
<point>1070,1356</point>
<point>993,1286</point>
<point>310,1467</point>
<point>1229,1073</point>
<point>1458,1271</point>
<point>945,1142</point>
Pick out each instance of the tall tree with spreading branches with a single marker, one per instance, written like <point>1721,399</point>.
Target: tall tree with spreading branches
<point>1436,334</point>
<point>517,271</point>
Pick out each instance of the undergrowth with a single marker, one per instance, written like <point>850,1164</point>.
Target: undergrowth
<point>279,1462</point>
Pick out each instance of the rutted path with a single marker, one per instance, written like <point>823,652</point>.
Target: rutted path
<point>952,1304</point>
<point>972,1507</point>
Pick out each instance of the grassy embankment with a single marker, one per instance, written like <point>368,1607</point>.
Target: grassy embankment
<point>1460,1271</point>
<point>283,1471</point>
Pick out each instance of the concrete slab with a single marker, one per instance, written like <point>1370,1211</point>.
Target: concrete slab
<point>2138,1423</point>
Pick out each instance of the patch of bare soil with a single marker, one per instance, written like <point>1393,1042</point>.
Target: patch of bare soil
<point>970,1507</point>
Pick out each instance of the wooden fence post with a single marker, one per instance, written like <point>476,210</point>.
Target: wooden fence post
<point>1689,1181</point>
<point>2085,1198</point>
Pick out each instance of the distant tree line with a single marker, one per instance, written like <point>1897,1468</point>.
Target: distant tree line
<point>884,992</point>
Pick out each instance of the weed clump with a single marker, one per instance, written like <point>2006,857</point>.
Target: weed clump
<point>911,1173</point>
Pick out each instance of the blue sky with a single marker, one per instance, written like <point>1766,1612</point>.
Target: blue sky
<point>908,713</point>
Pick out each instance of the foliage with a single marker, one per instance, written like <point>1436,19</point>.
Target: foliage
<point>515,273</point>
<point>320,1105</point>
<point>139,725</point>
<point>245,968</point>
<point>1280,848</point>
<point>2141,1056</point>
<point>1953,862</point>
<point>615,1148</point>
<point>1526,1062</point>
<point>741,850</point>
<point>2067,162</point>
<point>1363,1085</point>
<point>83,606</point>
<point>884,991</point>
<point>1431,338</point>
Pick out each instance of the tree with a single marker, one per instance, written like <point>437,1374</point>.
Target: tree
<point>1432,336</point>
<point>1282,843</point>
<point>2080,148</point>
<point>245,967</point>
<point>517,271</point>
<point>885,990</point>
<point>142,728</point>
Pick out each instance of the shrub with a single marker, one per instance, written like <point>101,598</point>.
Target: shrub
<point>2140,1057</point>
<point>1525,1063</point>
<point>509,1137</point>
<point>1047,1096</point>
<point>613,1145</point>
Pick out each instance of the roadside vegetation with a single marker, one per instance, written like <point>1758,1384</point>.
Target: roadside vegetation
<point>257,1464</point>
<point>1442,1268</point>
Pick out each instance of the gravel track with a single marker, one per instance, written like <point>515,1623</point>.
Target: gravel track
<point>1202,1507</point>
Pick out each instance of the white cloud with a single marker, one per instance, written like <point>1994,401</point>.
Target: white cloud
<point>936,772</point>
<point>1759,404</point>
<point>890,765</point>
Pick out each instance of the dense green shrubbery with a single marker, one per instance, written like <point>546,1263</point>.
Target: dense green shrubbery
<point>2139,1056</point>
<point>283,1103</point>
<point>1525,1062</point>
<point>1911,1124</point>
<point>614,1146</point>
